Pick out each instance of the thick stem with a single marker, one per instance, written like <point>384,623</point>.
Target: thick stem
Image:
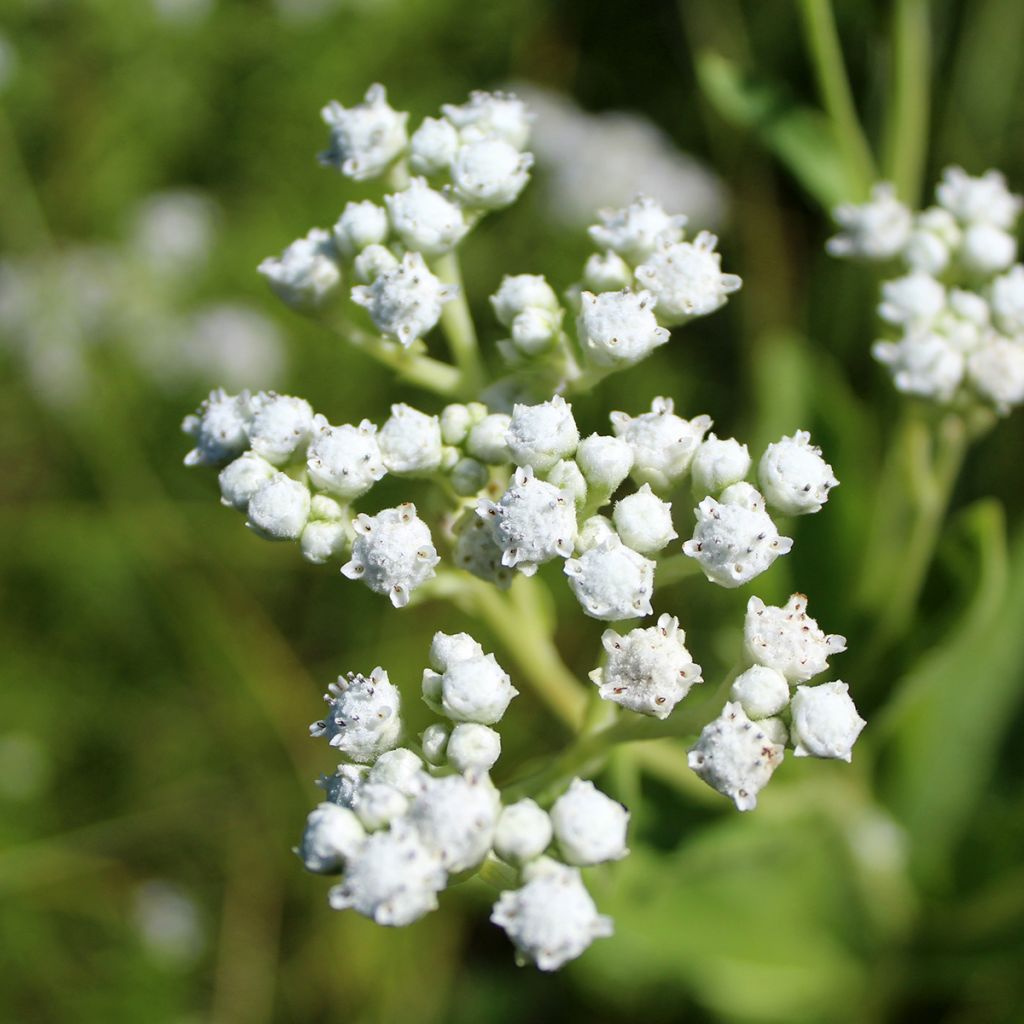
<point>457,324</point>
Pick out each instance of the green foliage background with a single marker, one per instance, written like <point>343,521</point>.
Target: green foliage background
<point>160,666</point>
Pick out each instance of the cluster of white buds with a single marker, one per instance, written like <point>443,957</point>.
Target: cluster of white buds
<point>955,304</point>
<point>399,822</point>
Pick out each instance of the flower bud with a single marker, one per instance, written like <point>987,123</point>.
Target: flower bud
<point>278,510</point>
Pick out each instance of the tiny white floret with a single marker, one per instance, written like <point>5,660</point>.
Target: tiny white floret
<point>619,329</point>
<point>345,460</point>
<point>425,219</point>
<point>762,691</point>
<point>663,444</point>
<point>788,640</point>
<point>365,139</point>
<point>523,832</point>
<point>636,230</point>
<point>279,509</point>
<point>410,441</point>
<point>825,721</point>
<point>360,225</point>
<point>490,173</point>
<point>589,827</point>
<point>306,274</point>
<point>794,478</point>
<point>644,521</point>
<point>365,715</point>
<point>332,835</point>
<point>241,479</point>
<point>473,747</point>
<point>612,581</point>
<point>541,435</point>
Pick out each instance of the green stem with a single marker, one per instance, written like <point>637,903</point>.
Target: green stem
<point>906,138</point>
<point>673,568</point>
<point>834,86</point>
<point>457,324</point>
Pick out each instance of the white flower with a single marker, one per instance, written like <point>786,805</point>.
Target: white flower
<point>455,815</point>
<point>341,787</point>
<point>491,115</point>
<point>410,441</point>
<point>984,200</point>
<point>686,279</point>
<point>619,328</point>
<point>762,691</point>
<point>280,426</point>
<point>788,640</point>
<point>996,371</point>
<point>916,300</point>
<point>306,274</point>
<point>486,440</point>
<point>490,173</point>
<point>733,543</point>
<point>735,756</point>
<point>219,428</point>
<point>567,477</point>
<point>541,435</point>
<point>612,582</point>
<point>825,721</point>
<point>478,550</point>
<point>393,879</point>
<point>719,463</point>
<point>606,272</point>
<point>875,230</point>
<point>393,553</point>
<point>523,832</point>
<point>344,460</point>
<point>378,804</point>
<point>648,671</point>
<point>434,743</point>
<point>374,261</point>
<point>594,532</point>
<point>473,689</point>
<point>425,219</point>
<point>775,729</point>
<point>794,477</point>
<point>535,329</point>
<point>605,461</point>
<point>924,364</point>
<point>552,918</point>
<point>360,225</point>
<point>636,230</point>
<point>278,509</point>
<point>456,419</point>
<point>535,522</point>
<point>405,303</point>
<point>473,747</point>
<point>987,249</point>
<point>589,827</point>
<point>365,139</point>
<point>663,444</point>
<point>365,715</point>
<point>1007,300</point>
<point>332,835</point>
<point>241,479</point>
<point>520,292</point>
<point>323,539</point>
<point>399,768</point>
<point>448,649</point>
<point>433,146</point>
<point>468,477</point>
<point>936,236</point>
<point>644,521</point>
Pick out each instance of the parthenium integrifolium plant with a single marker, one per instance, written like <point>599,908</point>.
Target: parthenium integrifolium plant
<point>406,816</point>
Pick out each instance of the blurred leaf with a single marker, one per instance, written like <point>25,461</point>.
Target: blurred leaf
<point>799,136</point>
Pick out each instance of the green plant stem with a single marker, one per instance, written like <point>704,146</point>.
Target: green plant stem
<point>673,568</point>
<point>834,86</point>
<point>457,324</point>
<point>906,138</point>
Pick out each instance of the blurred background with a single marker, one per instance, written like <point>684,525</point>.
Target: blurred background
<point>159,665</point>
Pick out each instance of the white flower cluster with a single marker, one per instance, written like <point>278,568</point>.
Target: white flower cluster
<point>399,822</point>
<point>957,308</point>
<point>737,753</point>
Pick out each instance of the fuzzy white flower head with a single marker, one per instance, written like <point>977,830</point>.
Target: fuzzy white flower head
<point>394,878</point>
<point>280,426</point>
<point>447,649</point>
<point>410,441</point>
<point>734,543</point>
<point>468,477</point>
<point>479,551</point>
<point>433,146</point>
<point>982,200</point>
<point>718,463</point>
<point>794,477</point>
<point>365,139</point>
<point>323,539</point>
<point>996,372</point>
<point>686,279</point>
<point>567,477</point>
<point>1006,297</point>
<point>788,640</point>
<point>595,531</point>
<point>535,522</point>
<point>762,691</point>
<point>486,440</point>
<point>519,292</point>
<point>279,509</point>
<point>473,747</point>
<point>825,721</point>
<point>541,435</point>
<point>612,582</point>
<point>456,419</point>
<point>636,230</point>
<point>365,715</point>
<point>425,219</point>
<point>648,671</point>
<point>916,300</point>
<point>924,364</point>
<point>455,815</point>
<point>735,756</point>
<point>552,918</point>
<point>986,249</point>
<point>341,787</point>
<point>219,428</point>
<point>644,521</point>
<point>332,835</point>
<point>605,461</point>
<point>663,444</point>
<point>306,274</point>
<point>619,328</point>
<point>523,832</point>
<point>590,828</point>
<point>491,115</point>
<point>399,768</point>
<point>344,460</point>
<point>490,173</point>
<point>936,236</point>
<point>405,303</point>
<point>606,272</point>
<point>535,329</point>
<point>374,261</point>
<point>434,743</point>
<point>378,804</point>
<point>241,479</point>
<point>360,225</point>
<point>474,689</point>
<point>875,230</point>
<point>393,553</point>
